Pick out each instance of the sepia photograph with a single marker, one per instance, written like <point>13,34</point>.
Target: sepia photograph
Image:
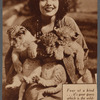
<point>49,50</point>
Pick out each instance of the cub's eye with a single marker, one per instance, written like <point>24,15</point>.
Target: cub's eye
<point>20,37</point>
<point>22,31</point>
<point>57,44</point>
<point>64,37</point>
<point>14,39</point>
<point>52,46</point>
<point>18,34</point>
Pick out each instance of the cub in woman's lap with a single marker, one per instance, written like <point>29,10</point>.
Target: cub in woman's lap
<point>52,76</point>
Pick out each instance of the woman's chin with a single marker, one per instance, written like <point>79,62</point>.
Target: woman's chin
<point>49,14</point>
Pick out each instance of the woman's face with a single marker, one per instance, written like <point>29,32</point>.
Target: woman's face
<point>49,7</point>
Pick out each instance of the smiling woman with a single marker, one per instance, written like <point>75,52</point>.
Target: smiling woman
<point>60,5</point>
<point>49,7</point>
<point>50,15</point>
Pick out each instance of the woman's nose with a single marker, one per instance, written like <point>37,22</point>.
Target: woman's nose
<point>48,3</point>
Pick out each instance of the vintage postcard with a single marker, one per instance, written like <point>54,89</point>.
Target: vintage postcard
<point>49,49</point>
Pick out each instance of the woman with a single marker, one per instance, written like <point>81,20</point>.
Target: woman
<point>49,14</point>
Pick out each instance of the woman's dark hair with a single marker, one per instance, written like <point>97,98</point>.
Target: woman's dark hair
<point>34,8</point>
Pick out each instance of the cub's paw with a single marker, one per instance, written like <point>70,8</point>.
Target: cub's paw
<point>42,82</point>
<point>68,50</point>
<point>13,86</point>
<point>80,68</point>
<point>18,66</point>
<point>59,55</point>
<point>80,65</point>
<point>35,79</point>
<point>27,79</point>
<point>30,80</point>
<point>32,52</point>
<point>8,86</point>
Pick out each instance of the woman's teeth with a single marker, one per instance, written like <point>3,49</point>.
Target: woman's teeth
<point>49,9</point>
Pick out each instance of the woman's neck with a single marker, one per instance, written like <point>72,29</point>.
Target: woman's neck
<point>47,20</point>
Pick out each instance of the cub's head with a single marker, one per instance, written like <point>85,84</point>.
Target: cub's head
<point>49,40</point>
<point>19,36</point>
<point>66,34</point>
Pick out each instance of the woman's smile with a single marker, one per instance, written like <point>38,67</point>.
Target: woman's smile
<point>49,9</point>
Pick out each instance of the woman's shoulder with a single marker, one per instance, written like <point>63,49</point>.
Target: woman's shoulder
<point>29,20</point>
<point>70,22</point>
<point>67,17</point>
<point>30,24</point>
<point>67,20</point>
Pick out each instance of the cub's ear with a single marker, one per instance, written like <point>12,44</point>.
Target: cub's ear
<point>22,30</point>
<point>75,36</point>
<point>9,31</point>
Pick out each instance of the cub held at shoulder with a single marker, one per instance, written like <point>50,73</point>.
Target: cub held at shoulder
<point>71,47</point>
<point>22,41</point>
